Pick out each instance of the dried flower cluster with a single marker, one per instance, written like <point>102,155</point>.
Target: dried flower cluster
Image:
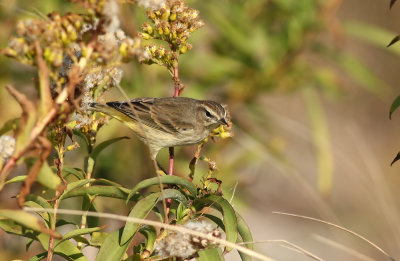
<point>7,148</point>
<point>172,23</point>
<point>183,245</point>
<point>65,39</point>
<point>151,4</point>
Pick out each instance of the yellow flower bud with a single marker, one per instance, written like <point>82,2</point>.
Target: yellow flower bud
<point>70,147</point>
<point>183,49</point>
<point>172,17</point>
<point>166,31</point>
<point>123,49</point>
<point>166,15</point>
<point>145,36</point>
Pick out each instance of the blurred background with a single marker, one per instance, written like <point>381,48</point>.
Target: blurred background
<point>309,86</point>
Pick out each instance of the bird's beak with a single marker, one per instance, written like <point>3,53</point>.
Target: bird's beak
<point>224,122</point>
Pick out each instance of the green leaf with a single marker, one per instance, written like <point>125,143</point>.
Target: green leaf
<point>111,249</point>
<point>48,178</point>
<point>9,125</point>
<point>245,234</point>
<point>210,254</point>
<point>141,209</point>
<point>104,145</point>
<point>98,238</point>
<point>164,180</point>
<point>38,257</point>
<point>65,249</point>
<point>150,233</point>
<point>44,215</point>
<point>395,105</point>
<point>227,211</point>
<point>78,232</point>
<point>101,191</point>
<point>175,195</point>
<point>16,179</point>
<point>12,227</point>
<point>78,173</point>
<point>182,211</point>
<point>24,218</point>
<point>88,205</point>
<point>216,220</point>
<point>75,185</point>
<point>29,243</point>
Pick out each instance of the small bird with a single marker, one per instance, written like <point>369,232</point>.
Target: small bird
<point>167,122</point>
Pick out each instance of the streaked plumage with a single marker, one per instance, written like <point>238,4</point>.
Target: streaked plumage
<point>167,122</point>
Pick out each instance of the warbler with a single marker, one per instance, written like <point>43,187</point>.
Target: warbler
<point>167,122</point>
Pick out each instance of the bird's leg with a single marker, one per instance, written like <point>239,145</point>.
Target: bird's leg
<point>171,161</point>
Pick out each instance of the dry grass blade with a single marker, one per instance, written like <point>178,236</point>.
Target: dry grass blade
<point>286,243</point>
<point>156,224</point>
<point>342,247</point>
<point>339,227</point>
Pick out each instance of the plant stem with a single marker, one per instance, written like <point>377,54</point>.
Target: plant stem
<point>175,77</point>
<point>60,164</point>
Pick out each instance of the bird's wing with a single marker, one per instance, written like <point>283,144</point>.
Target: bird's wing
<point>165,116</point>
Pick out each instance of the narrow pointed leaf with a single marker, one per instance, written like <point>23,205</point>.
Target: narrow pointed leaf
<point>24,218</point>
<point>228,213</point>
<point>97,190</point>
<point>45,216</point>
<point>78,232</point>
<point>38,257</point>
<point>98,238</point>
<point>246,237</point>
<point>16,179</point>
<point>111,249</point>
<point>164,180</point>
<point>9,125</point>
<point>394,40</point>
<point>395,159</point>
<point>210,254</point>
<point>48,178</point>
<point>394,106</point>
<point>75,185</point>
<point>78,173</point>
<point>140,210</point>
<point>150,233</point>
<point>12,227</point>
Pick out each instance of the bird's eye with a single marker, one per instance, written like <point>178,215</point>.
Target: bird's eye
<point>208,114</point>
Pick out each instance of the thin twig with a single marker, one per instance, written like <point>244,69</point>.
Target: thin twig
<point>156,224</point>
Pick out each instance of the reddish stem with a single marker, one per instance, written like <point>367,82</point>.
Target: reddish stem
<point>171,161</point>
<point>171,149</point>
<point>176,94</point>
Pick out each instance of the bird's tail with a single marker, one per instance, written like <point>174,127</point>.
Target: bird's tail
<point>111,111</point>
